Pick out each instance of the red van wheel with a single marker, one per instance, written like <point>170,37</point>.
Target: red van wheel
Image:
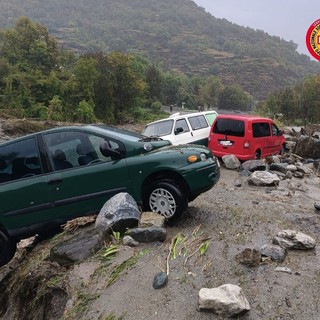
<point>257,155</point>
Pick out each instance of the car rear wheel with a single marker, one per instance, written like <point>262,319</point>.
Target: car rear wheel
<point>282,150</point>
<point>166,198</point>
<point>257,155</point>
<point>7,249</point>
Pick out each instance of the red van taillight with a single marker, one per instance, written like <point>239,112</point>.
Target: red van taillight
<point>246,144</point>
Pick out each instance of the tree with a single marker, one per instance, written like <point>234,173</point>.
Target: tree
<point>234,98</point>
<point>30,46</point>
<point>170,88</point>
<point>153,81</point>
<point>209,92</point>
<point>86,75</point>
<point>310,100</point>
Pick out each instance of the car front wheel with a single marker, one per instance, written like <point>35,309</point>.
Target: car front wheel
<point>167,199</point>
<point>7,249</point>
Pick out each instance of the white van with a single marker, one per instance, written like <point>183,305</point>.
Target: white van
<point>183,128</point>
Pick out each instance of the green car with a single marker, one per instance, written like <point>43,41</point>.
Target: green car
<point>55,175</point>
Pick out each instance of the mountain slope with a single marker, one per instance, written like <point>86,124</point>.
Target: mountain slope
<point>175,35</point>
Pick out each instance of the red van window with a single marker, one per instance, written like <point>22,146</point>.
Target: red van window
<point>261,129</point>
<point>229,127</point>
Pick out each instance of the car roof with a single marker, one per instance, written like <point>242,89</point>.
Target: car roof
<point>102,129</point>
<point>241,117</point>
<point>181,115</point>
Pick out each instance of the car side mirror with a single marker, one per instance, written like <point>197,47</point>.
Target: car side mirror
<point>109,152</point>
<point>178,130</point>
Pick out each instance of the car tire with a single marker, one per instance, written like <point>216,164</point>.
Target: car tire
<point>7,249</point>
<point>166,198</point>
<point>282,150</point>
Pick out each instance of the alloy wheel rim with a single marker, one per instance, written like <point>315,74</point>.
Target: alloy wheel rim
<point>163,202</point>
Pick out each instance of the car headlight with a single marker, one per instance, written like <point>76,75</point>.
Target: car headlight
<point>194,158</point>
<point>147,146</point>
<point>203,157</point>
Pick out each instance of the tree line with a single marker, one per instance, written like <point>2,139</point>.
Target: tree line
<point>38,79</point>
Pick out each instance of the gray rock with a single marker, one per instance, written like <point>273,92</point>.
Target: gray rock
<point>307,147</point>
<point>298,174</point>
<point>160,280</point>
<point>227,300</point>
<point>263,178</point>
<point>254,165</point>
<point>231,161</point>
<point>151,219</point>
<point>119,213</point>
<point>78,248</point>
<point>291,239</point>
<point>275,252</point>
<point>278,167</point>
<point>283,269</point>
<point>129,241</point>
<point>148,234</point>
<point>249,257</point>
<point>291,167</point>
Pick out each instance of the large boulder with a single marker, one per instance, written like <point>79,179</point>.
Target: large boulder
<point>264,178</point>
<point>231,161</point>
<point>307,147</point>
<point>78,248</point>
<point>119,213</point>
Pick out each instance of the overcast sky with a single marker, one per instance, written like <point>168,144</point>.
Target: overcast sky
<point>288,19</point>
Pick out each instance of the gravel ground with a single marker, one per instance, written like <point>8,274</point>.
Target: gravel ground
<point>232,218</point>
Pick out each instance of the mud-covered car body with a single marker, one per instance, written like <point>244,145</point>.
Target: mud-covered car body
<point>52,176</point>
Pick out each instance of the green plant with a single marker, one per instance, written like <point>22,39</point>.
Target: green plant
<point>204,247</point>
<point>80,305</point>
<point>109,252</point>
<point>116,235</point>
<point>117,271</point>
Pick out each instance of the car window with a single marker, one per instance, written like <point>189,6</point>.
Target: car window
<point>261,129</point>
<point>159,129</point>
<point>275,130</point>
<point>19,160</point>
<point>182,123</point>
<point>229,127</point>
<point>73,149</point>
<point>211,117</point>
<point>198,122</point>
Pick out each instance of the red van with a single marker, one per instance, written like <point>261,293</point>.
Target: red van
<point>245,136</point>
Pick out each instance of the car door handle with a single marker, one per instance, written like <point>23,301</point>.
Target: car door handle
<point>55,181</point>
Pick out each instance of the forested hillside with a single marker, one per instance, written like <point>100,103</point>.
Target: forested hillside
<point>175,35</point>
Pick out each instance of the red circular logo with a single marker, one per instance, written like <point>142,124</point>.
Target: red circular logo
<point>313,39</point>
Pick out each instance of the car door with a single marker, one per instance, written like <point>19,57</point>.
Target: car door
<point>182,132</point>
<point>25,197</point>
<point>200,129</point>
<point>84,187</point>
<point>277,138</point>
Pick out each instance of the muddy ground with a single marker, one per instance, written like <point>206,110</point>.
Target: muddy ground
<point>230,218</point>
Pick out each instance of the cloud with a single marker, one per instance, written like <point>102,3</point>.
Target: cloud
<point>289,20</point>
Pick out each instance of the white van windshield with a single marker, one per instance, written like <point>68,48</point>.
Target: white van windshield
<point>158,129</point>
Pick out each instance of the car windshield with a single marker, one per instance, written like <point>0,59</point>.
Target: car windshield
<point>158,129</point>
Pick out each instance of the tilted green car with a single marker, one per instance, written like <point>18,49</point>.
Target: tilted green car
<point>52,176</point>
